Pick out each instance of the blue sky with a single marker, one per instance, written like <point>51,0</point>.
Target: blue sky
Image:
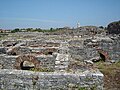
<point>57,13</point>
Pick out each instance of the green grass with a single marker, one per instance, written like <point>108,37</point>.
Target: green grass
<point>41,70</point>
<point>108,68</point>
<point>82,88</point>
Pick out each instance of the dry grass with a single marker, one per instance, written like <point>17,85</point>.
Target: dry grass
<point>111,75</point>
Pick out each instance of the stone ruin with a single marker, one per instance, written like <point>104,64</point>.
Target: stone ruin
<point>50,62</point>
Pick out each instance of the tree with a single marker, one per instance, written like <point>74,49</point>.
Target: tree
<point>15,30</point>
<point>101,27</point>
<point>114,28</point>
<point>51,29</point>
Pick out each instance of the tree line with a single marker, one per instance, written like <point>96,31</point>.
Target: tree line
<point>33,30</point>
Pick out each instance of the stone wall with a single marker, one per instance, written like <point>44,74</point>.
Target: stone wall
<point>109,47</point>
<point>9,62</point>
<point>112,48</point>
<point>28,80</point>
<point>47,62</point>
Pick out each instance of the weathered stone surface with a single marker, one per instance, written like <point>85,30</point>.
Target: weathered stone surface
<point>9,43</point>
<point>30,58</point>
<point>62,62</point>
<point>17,80</point>
<point>2,50</point>
<point>18,51</point>
<point>47,61</point>
<point>28,64</point>
<point>7,61</point>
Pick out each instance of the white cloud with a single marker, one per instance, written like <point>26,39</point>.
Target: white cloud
<point>31,19</point>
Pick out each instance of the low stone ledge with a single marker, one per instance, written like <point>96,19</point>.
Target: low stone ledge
<point>29,80</point>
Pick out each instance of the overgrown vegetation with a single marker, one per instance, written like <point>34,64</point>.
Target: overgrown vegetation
<point>111,75</point>
<point>42,70</point>
<point>82,88</point>
<point>114,28</point>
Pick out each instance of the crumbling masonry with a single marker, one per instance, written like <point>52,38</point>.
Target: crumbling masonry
<point>62,60</point>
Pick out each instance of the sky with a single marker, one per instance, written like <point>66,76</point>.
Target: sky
<point>57,13</point>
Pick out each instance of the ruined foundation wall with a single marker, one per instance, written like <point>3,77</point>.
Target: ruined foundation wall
<point>8,62</point>
<point>112,48</point>
<point>28,80</point>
